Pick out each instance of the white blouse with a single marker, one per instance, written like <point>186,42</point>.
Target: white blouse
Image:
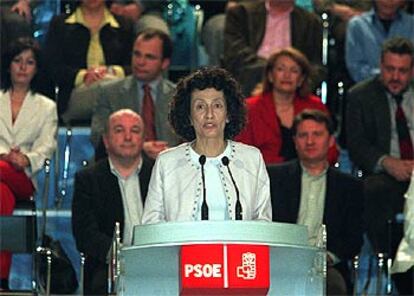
<point>215,194</point>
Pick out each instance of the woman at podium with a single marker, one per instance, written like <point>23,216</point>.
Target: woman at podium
<point>208,177</point>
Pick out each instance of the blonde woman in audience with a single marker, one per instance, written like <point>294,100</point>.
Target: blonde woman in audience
<point>403,267</point>
<point>271,112</point>
<point>28,124</point>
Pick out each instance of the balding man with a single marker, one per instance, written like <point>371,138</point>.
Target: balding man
<point>112,190</point>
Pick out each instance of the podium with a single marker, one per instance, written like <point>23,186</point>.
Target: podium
<point>153,264</point>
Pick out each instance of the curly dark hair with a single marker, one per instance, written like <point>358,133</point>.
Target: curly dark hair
<point>15,48</point>
<point>208,77</point>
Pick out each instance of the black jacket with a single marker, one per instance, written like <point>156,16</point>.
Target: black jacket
<point>66,49</point>
<point>97,205</point>
<point>343,205</point>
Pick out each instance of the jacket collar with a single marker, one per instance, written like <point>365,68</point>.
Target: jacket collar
<point>77,18</point>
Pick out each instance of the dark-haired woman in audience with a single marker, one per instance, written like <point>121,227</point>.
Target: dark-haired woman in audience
<point>87,46</point>
<point>207,110</point>
<point>270,113</point>
<point>28,124</point>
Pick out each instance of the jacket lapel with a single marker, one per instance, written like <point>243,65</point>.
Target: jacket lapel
<point>109,184</point>
<point>162,110</point>
<point>330,193</point>
<point>164,132</point>
<point>129,95</point>
<point>381,107</point>
<point>269,112</point>
<point>26,115</point>
<point>258,24</point>
<point>144,176</point>
<point>295,185</point>
<point>5,114</point>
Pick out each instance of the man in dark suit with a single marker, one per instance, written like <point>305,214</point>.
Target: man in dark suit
<point>112,190</point>
<point>380,140</point>
<point>151,55</point>
<point>309,192</point>
<point>249,36</point>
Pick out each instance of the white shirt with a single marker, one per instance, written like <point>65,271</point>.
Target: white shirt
<point>277,24</point>
<point>131,200</point>
<point>312,203</point>
<point>215,194</point>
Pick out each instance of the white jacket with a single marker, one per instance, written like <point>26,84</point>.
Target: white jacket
<point>34,130</point>
<point>175,188</point>
<point>404,258</point>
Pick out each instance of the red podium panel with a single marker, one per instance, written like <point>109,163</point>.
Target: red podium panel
<point>224,269</point>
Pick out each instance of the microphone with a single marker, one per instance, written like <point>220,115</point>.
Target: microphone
<point>239,211</point>
<point>204,207</point>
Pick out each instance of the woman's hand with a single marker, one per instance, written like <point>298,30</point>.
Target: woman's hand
<point>22,7</point>
<point>19,160</point>
<point>95,74</point>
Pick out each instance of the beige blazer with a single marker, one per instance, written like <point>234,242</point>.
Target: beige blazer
<point>34,130</point>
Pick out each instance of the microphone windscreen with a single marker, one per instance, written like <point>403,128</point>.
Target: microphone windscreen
<point>225,160</point>
<point>202,159</point>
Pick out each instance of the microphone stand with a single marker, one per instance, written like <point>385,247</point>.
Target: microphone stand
<point>239,210</point>
<point>204,206</point>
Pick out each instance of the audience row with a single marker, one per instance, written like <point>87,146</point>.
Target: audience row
<point>100,56</point>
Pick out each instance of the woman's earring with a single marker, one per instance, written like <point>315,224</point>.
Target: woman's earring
<point>227,120</point>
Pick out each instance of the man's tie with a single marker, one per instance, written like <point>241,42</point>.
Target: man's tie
<point>404,138</point>
<point>148,114</point>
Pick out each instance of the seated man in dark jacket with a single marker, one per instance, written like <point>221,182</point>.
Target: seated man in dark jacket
<point>113,190</point>
<point>309,192</point>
